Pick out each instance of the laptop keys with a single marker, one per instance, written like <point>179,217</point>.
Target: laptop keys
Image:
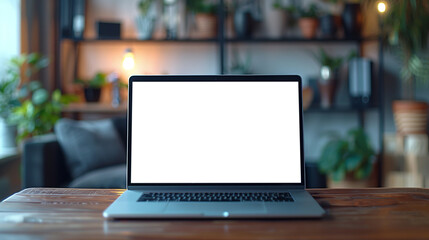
<point>216,197</point>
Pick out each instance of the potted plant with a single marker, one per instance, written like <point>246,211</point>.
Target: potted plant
<point>38,111</point>
<point>9,92</point>
<point>328,80</point>
<point>308,21</point>
<point>405,27</point>
<point>145,21</point>
<point>205,20</point>
<point>348,161</point>
<point>92,87</point>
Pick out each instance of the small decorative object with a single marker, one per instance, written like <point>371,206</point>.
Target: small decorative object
<point>329,67</point>
<point>328,26</point>
<point>308,21</point>
<point>145,22</point>
<point>78,18</point>
<point>10,93</point>
<point>360,82</point>
<point>205,18</point>
<point>247,14</point>
<point>78,25</point>
<point>171,18</point>
<point>108,30</point>
<point>92,87</point>
<point>352,20</point>
<point>348,161</point>
<point>116,96</point>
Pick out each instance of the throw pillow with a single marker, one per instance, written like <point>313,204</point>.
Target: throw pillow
<point>89,145</point>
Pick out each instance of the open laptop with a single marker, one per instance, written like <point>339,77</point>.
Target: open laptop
<point>215,147</point>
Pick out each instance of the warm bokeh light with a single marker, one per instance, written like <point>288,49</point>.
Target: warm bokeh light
<point>128,61</point>
<point>381,7</point>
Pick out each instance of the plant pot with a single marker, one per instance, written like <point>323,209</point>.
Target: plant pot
<point>352,20</point>
<point>410,117</point>
<point>308,27</point>
<point>205,26</point>
<point>7,135</point>
<point>307,97</point>
<point>327,86</point>
<point>92,94</point>
<point>328,27</point>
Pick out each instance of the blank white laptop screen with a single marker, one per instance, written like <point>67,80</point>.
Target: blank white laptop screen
<point>215,132</point>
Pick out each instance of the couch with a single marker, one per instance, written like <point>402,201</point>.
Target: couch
<point>45,162</point>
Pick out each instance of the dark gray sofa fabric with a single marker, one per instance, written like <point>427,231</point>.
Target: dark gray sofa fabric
<point>108,177</point>
<point>44,164</point>
<point>89,145</point>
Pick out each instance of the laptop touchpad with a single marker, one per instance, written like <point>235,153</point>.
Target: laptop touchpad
<point>215,209</point>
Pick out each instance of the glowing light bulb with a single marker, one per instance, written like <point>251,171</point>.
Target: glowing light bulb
<point>381,7</point>
<point>128,61</point>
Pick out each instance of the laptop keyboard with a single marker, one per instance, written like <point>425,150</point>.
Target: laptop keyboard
<point>216,197</point>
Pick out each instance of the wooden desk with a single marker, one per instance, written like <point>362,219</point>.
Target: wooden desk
<point>41,213</point>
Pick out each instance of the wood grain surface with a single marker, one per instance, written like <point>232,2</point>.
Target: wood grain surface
<point>59,213</point>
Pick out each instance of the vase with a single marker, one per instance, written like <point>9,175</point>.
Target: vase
<point>352,20</point>
<point>145,26</point>
<point>243,24</point>
<point>7,135</point>
<point>328,27</point>
<point>171,18</point>
<point>274,20</point>
<point>327,86</point>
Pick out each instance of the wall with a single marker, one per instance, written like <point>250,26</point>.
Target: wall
<point>202,58</point>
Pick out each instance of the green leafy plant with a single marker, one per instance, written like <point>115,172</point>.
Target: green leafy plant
<point>98,81</point>
<point>38,111</point>
<point>325,59</point>
<point>352,154</point>
<point>311,12</point>
<point>405,26</point>
<point>11,79</point>
<point>201,6</point>
<point>144,6</point>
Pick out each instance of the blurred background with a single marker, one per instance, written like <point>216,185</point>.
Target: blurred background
<point>64,67</point>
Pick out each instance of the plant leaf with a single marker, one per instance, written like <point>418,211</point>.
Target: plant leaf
<point>40,96</point>
<point>353,161</point>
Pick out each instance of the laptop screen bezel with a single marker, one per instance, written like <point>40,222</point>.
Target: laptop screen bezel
<point>212,78</point>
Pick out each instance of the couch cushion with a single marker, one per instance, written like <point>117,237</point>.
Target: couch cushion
<point>120,124</point>
<point>109,177</point>
<point>89,145</point>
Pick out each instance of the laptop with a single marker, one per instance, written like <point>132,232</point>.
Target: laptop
<point>221,146</point>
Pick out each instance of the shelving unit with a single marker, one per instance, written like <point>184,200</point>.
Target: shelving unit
<point>222,42</point>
